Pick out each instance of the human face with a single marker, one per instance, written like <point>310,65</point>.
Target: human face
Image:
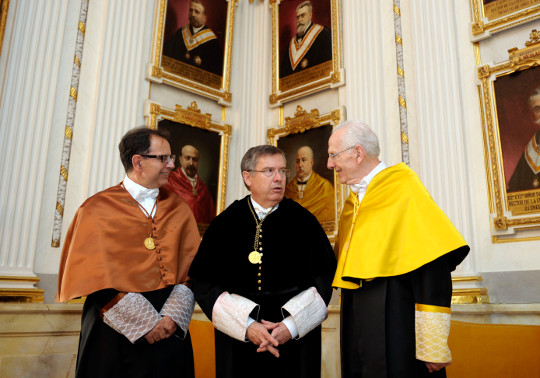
<point>535,106</point>
<point>267,191</point>
<point>347,161</point>
<point>189,160</point>
<point>197,17</point>
<point>303,19</point>
<point>304,163</point>
<point>154,173</point>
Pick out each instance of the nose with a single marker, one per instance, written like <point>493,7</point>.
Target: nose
<point>330,164</point>
<point>170,164</point>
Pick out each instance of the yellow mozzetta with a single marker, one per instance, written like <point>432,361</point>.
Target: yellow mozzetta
<point>396,229</point>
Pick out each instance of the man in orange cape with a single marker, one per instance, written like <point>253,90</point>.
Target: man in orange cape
<point>128,250</point>
<point>396,252</point>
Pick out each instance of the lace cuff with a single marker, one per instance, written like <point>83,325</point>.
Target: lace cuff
<point>179,307</point>
<point>132,316</point>
<point>308,310</point>
<point>432,327</point>
<point>230,314</point>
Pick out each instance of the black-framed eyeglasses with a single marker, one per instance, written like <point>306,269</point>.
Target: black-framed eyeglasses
<point>270,172</point>
<point>332,156</point>
<point>163,158</point>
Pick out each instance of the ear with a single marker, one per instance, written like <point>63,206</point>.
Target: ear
<point>247,178</point>
<point>136,161</point>
<point>360,153</point>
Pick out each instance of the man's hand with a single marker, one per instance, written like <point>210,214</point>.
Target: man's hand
<point>435,366</point>
<point>259,335</point>
<point>280,332</point>
<point>164,329</point>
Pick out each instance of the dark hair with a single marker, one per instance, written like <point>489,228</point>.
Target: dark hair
<point>137,142</point>
<point>249,161</point>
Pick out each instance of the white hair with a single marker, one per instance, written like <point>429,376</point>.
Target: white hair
<point>359,133</point>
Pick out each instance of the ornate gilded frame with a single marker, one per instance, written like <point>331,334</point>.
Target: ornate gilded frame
<point>300,84</point>
<point>163,69</point>
<point>483,26</point>
<point>4,6</point>
<point>303,122</point>
<point>512,216</point>
<point>193,117</point>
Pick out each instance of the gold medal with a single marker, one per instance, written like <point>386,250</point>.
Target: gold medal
<point>149,243</point>
<point>535,183</point>
<point>254,257</point>
<point>194,191</point>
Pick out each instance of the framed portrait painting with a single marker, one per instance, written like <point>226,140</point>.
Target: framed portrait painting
<point>192,46</point>
<point>510,98</point>
<point>306,49</point>
<point>493,16</point>
<point>304,139</point>
<point>199,177</point>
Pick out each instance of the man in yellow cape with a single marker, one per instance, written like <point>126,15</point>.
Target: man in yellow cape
<point>396,251</point>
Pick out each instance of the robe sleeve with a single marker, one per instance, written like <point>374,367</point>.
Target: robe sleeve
<point>130,314</point>
<point>307,309</point>
<point>432,286</point>
<point>179,307</point>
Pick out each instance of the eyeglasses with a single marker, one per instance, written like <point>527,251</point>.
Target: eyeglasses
<point>270,172</point>
<point>163,158</point>
<point>332,156</point>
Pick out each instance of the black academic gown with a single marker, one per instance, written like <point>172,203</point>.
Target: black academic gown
<point>378,320</point>
<point>296,256</point>
<point>523,176</point>
<point>319,52</point>
<point>103,352</point>
<point>207,56</point>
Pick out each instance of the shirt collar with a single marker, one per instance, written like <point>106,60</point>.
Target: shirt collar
<point>139,192</point>
<point>362,186</point>
<point>262,211</point>
<point>305,179</point>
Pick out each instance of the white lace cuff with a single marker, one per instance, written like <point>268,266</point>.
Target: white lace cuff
<point>432,327</point>
<point>308,310</point>
<point>132,316</point>
<point>230,315</point>
<point>179,307</point>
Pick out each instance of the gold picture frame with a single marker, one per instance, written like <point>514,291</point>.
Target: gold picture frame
<point>493,16</point>
<point>312,64</point>
<point>189,126</point>
<point>4,6</point>
<point>311,130</point>
<point>506,92</point>
<point>198,62</point>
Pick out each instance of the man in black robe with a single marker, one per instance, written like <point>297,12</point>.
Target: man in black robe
<point>311,46</point>
<point>263,276</point>
<point>195,43</point>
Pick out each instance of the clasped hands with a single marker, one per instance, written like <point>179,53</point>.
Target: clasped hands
<point>164,329</point>
<point>268,336</point>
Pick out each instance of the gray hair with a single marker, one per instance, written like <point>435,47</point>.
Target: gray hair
<point>251,157</point>
<point>358,132</point>
<point>305,4</point>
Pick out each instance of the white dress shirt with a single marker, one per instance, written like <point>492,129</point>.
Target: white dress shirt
<point>144,196</point>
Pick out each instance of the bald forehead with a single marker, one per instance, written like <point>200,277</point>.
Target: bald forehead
<point>190,151</point>
<point>305,151</point>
